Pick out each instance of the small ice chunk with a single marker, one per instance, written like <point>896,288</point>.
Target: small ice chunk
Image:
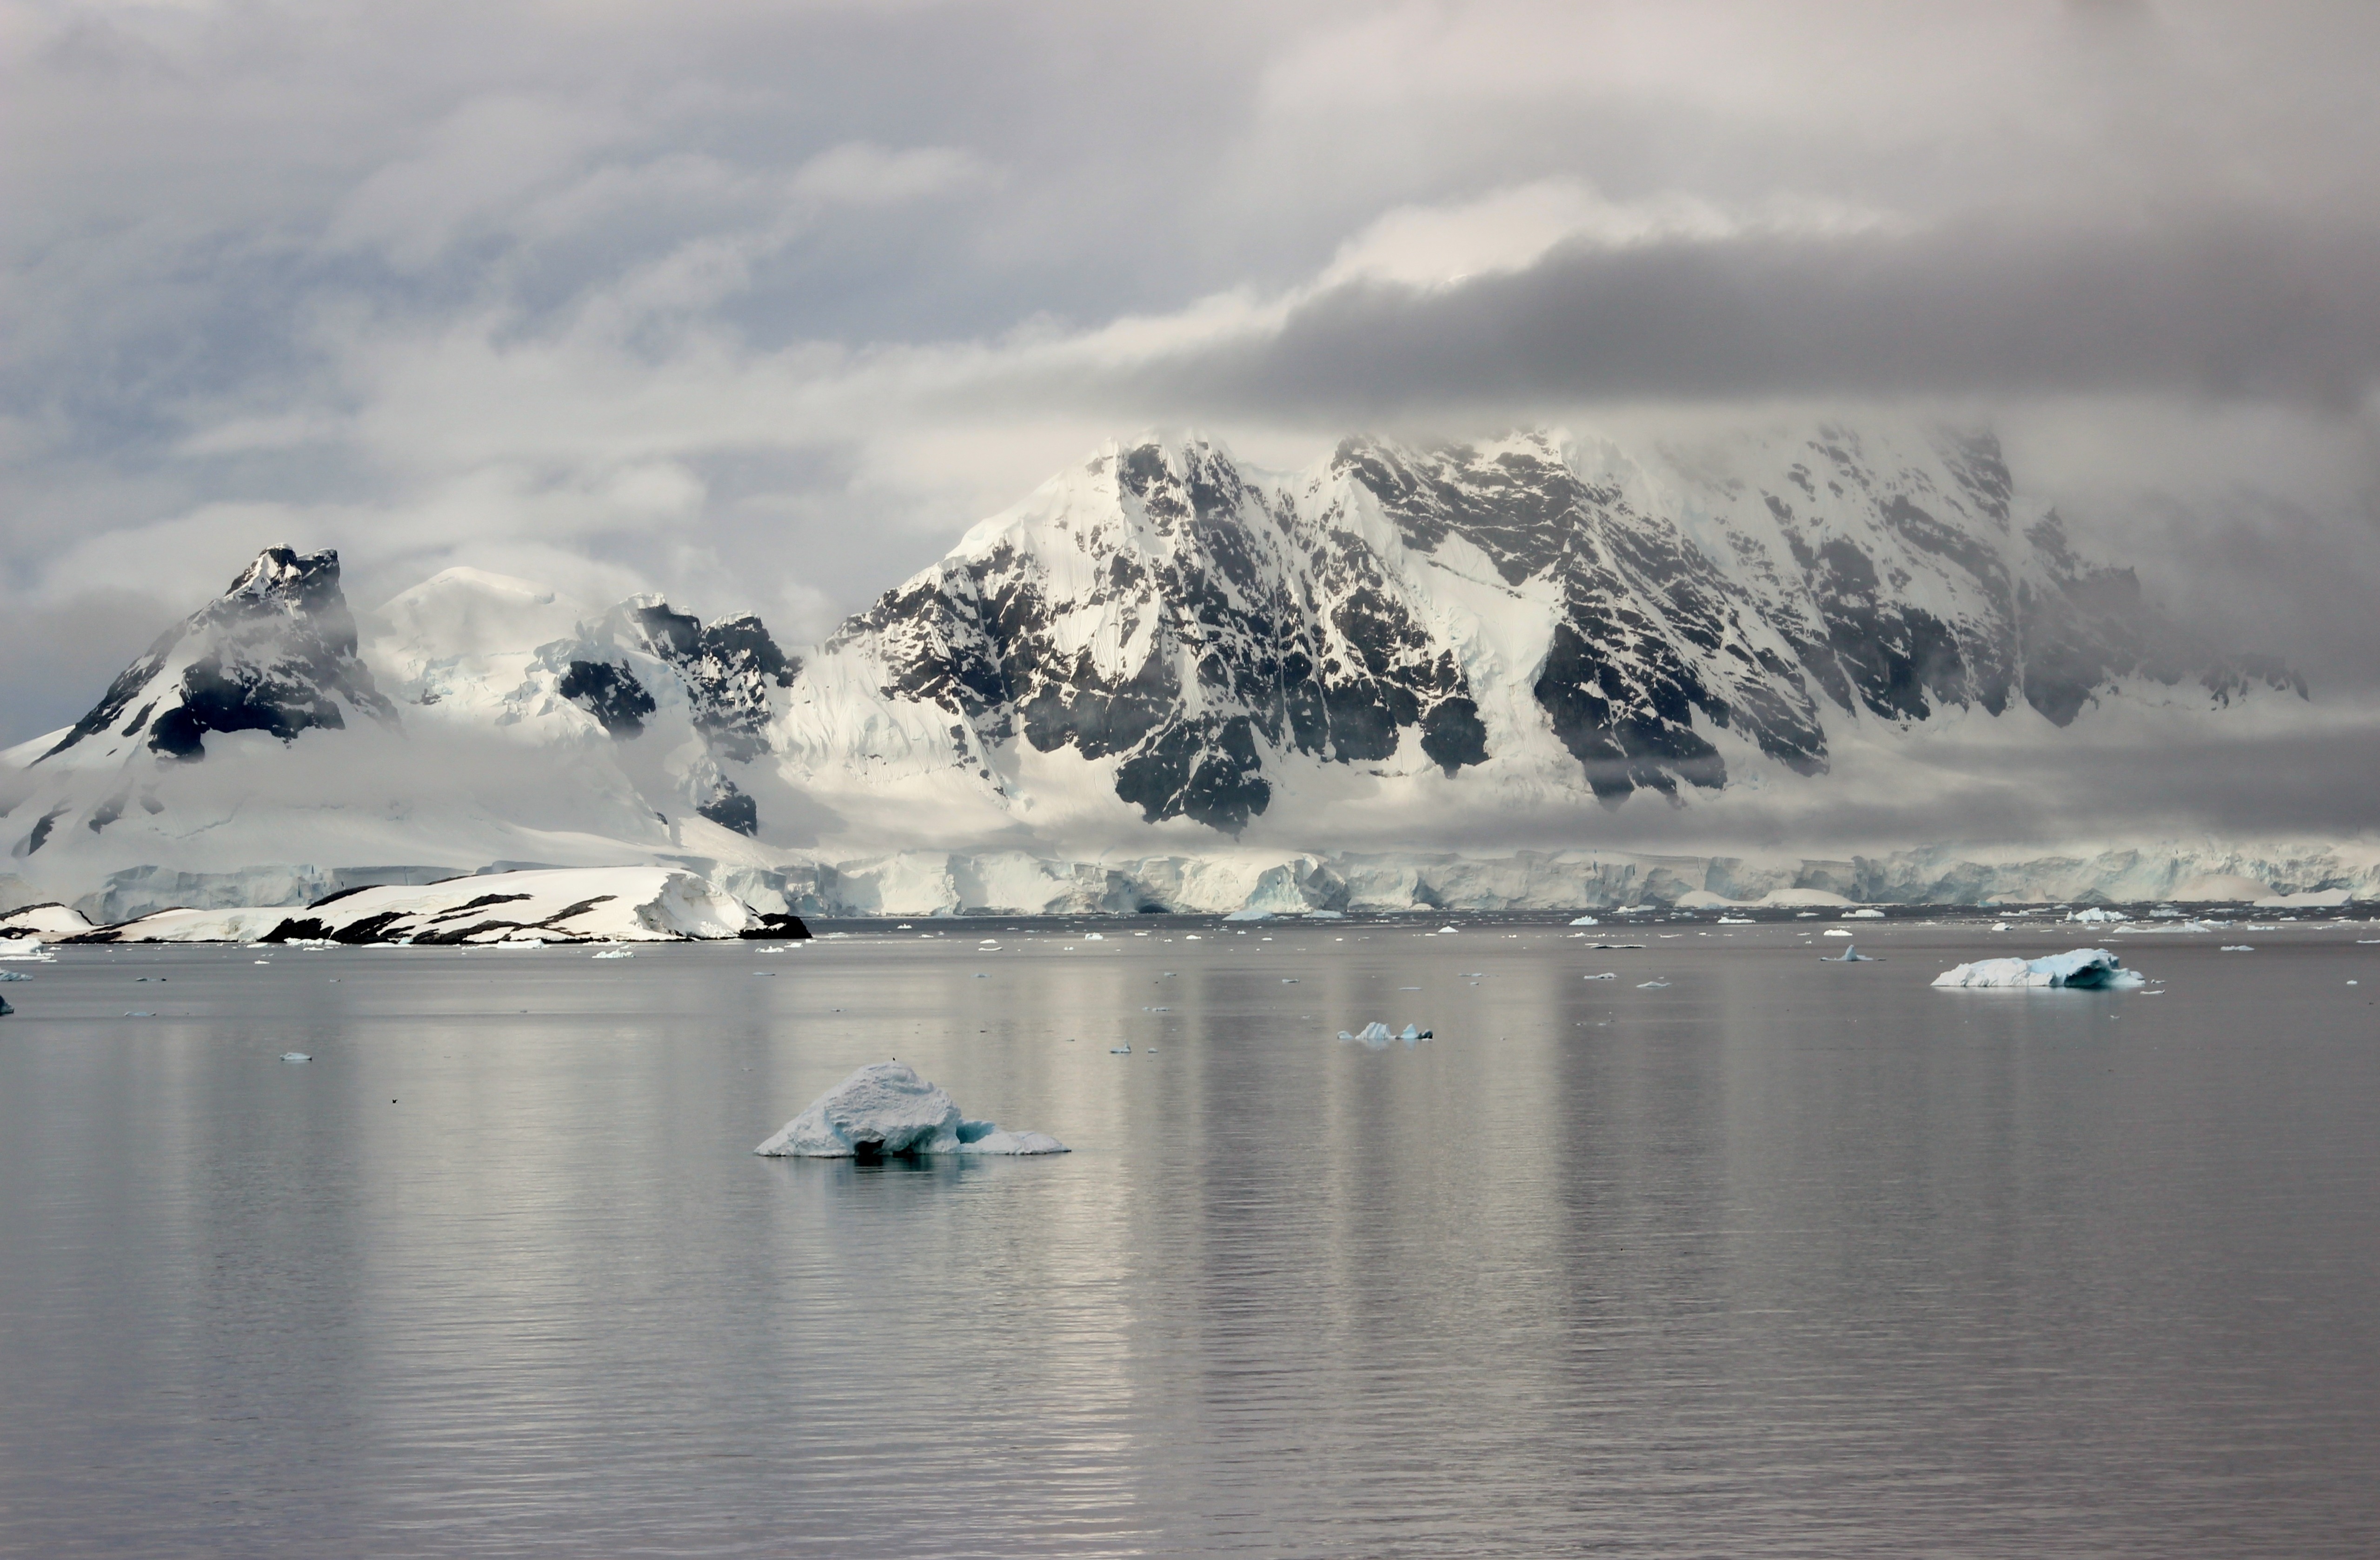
<point>2238,948</point>
<point>1836,931</point>
<point>1851,955</point>
<point>296,1056</point>
<point>1586,921</point>
<point>1606,975</point>
<point>13,975</point>
<point>1119,1050</point>
<point>1093,937</point>
<point>885,1110</point>
<point>615,952</point>
<point>1374,1033</point>
<point>1735,920</point>
<point>2081,969</point>
<point>1446,930</point>
<point>1652,985</point>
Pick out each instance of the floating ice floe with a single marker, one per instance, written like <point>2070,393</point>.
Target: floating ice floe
<point>13,975</point>
<point>296,1056</point>
<point>1735,920</point>
<point>1249,915</point>
<point>1380,1035</point>
<point>615,952</point>
<point>1119,1050</point>
<point>2096,916</point>
<point>1836,931</point>
<point>1864,915</point>
<point>1652,985</point>
<point>1851,955</point>
<point>1586,921</point>
<point>885,1110</point>
<point>2081,969</point>
<point>2238,948</point>
<point>26,953</point>
<point>1606,975</point>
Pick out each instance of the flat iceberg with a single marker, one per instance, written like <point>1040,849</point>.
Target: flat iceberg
<point>2081,969</point>
<point>884,1110</point>
<point>1586,921</point>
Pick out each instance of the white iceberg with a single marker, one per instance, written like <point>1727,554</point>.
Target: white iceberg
<point>884,1110</point>
<point>1864,915</point>
<point>2096,916</point>
<point>1377,1034</point>
<point>1586,921</point>
<point>2081,969</point>
<point>296,1056</point>
<point>1852,956</point>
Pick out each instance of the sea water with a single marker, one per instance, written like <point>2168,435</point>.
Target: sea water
<point>1782,1256</point>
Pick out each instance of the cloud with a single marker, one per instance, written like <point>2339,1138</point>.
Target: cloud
<point>769,303</point>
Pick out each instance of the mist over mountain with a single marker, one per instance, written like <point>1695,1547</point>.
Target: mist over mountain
<point>1801,640</point>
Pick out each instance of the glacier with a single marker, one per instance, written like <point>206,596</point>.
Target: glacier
<point>1168,680</point>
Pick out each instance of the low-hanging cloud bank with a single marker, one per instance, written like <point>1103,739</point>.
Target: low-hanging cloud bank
<point>763,306</point>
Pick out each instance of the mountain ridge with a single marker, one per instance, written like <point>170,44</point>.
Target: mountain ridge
<point>1160,644</point>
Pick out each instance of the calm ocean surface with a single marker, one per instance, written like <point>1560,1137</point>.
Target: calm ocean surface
<point>1784,1259</point>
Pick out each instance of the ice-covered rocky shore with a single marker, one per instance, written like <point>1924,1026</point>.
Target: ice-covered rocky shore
<point>885,1110</point>
<point>563,905</point>
<point>2080,970</point>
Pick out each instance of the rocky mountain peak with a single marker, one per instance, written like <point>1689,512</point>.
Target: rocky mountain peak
<point>275,651</point>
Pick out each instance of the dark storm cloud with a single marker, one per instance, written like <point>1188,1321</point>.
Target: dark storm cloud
<point>2219,306</point>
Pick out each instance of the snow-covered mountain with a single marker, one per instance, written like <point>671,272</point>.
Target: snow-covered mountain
<point>1497,625</point>
<point>1162,654</point>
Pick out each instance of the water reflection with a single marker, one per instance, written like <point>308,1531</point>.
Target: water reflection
<point>1781,1250</point>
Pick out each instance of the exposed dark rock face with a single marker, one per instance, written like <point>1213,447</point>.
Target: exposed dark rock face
<point>1232,632</point>
<point>1652,630</point>
<point>611,694</point>
<point>733,809</point>
<point>275,653</point>
<point>1202,627</point>
<point>728,669</point>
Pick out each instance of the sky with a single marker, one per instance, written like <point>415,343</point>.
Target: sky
<point>762,305</point>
